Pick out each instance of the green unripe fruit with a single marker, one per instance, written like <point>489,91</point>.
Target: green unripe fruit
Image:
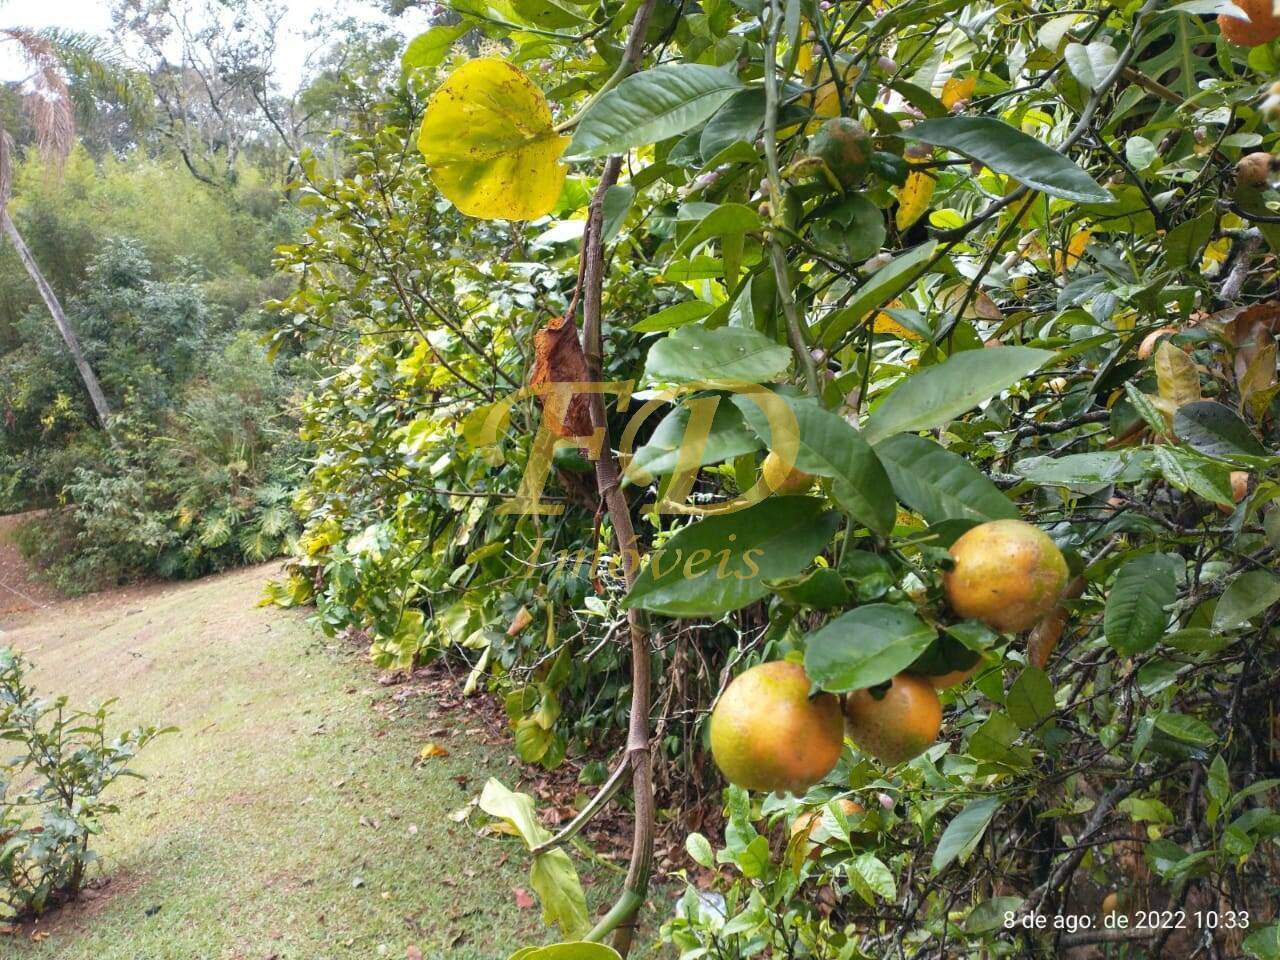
<point>845,147</point>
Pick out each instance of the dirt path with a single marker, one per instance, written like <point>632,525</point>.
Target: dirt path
<point>288,819</point>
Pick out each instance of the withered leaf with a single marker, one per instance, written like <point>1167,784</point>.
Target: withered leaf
<point>558,358</point>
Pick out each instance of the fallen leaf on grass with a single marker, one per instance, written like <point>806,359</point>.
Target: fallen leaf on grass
<point>412,953</point>
<point>524,900</point>
<point>430,750</point>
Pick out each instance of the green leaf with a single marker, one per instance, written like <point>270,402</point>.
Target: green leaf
<point>728,437</point>
<point>1215,430</point>
<point>753,860</point>
<point>1248,595</point>
<point>1136,614</point>
<point>1090,64</point>
<point>580,950</point>
<point>727,353</point>
<point>865,647</point>
<point>515,808</point>
<point>739,119</point>
<point>882,286</point>
<point>552,877</point>
<point>938,484</point>
<point>650,106</point>
<point>821,588</point>
<point>989,914</point>
<point>547,14</point>
<point>674,316</point>
<point>964,832</point>
<point>827,446</point>
<point>699,848</point>
<point>1086,469</point>
<point>1185,728</point>
<point>728,219</point>
<point>617,204</point>
<point>993,741</point>
<point>721,563</point>
<point>1007,150</point>
<point>1030,701</point>
<point>933,396</point>
<point>871,878</point>
<point>429,49</point>
<point>1263,943</point>
<point>556,883</point>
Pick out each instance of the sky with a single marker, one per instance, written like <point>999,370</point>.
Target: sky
<point>93,16</point>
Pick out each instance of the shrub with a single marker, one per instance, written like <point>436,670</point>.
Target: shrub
<point>51,792</point>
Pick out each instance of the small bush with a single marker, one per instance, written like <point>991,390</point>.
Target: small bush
<point>51,800</point>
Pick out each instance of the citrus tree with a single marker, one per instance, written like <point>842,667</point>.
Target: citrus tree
<point>877,397</point>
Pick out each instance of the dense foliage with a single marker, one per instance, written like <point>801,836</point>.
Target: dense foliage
<point>51,802</point>
<point>202,471</point>
<point>1029,281</point>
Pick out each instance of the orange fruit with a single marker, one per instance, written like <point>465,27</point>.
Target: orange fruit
<point>783,481</point>
<point>1263,26</point>
<point>845,147</point>
<point>809,823</point>
<point>1007,573</point>
<point>1111,903</point>
<point>899,725</point>
<point>953,678</point>
<point>767,734</point>
<point>1255,170</point>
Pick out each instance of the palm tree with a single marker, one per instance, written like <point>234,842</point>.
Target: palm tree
<point>53,55</point>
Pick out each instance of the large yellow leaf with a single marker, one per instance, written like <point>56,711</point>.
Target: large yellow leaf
<point>1075,250</point>
<point>1176,375</point>
<point>913,199</point>
<point>488,139</point>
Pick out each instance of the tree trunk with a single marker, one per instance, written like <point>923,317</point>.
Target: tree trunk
<point>60,320</point>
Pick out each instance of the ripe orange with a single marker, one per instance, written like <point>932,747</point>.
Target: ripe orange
<point>900,725</point>
<point>945,681</point>
<point>783,481</point>
<point>1263,26</point>
<point>766,734</point>
<point>809,824</point>
<point>1007,573</point>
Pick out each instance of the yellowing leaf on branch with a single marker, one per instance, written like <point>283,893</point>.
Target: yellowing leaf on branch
<point>957,90</point>
<point>489,141</point>
<point>913,199</point>
<point>1176,375</point>
<point>883,323</point>
<point>1075,250</point>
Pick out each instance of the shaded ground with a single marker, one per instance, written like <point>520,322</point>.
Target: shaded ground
<point>288,818</point>
<point>19,591</point>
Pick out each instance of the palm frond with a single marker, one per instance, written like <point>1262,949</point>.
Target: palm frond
<point>48,98</point>
<point>98,69</point>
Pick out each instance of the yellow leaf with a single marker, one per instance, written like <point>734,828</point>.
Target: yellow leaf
<point>1176,375</point>
<point>1260,373</point>
<point>956,90</point>
<point>913,199</point>
<point>1075,250</point>
<point>883,323</point>
<point>521,620</point>
<point>432,750</point>
<point>488,138</point>
<point>826,99</point>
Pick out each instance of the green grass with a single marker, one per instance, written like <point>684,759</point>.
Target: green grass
<point>247,840</point>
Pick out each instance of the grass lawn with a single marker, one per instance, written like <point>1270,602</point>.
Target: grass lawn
<point>287,818</point>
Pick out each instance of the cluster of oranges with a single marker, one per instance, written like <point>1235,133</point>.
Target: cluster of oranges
<point>768,733</point>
